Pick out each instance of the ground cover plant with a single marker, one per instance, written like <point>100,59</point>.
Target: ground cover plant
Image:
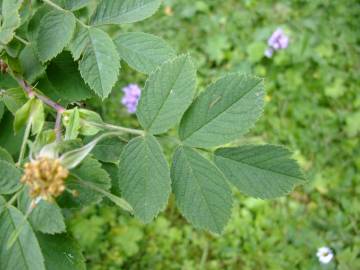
<point>126,166</point>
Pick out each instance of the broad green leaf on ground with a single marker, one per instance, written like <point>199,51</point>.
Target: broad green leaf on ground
<point>125,11</point>
<point>144,177</point>
<point>5,156</point>
<point>261,171</point>
<point>109,150</point>
<point>10,19</point>
<point>61,252</point>
<point>14,99</point>
<point>25,254</point>
<point>167,94</point>
<point>30,64</point>
<point>9,177</point>
<point>88,173</point>
<point>55,32</point>
<point>46,217</point>
<point>201,191</point>
<point>100,63</point>
<point>143,52</point>
<point>71,88</point>
<point>226,110</point>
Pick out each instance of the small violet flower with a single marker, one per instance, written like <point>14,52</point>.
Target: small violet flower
<point>277,41</point>
<point>325,255</point>
<point>131,97</point>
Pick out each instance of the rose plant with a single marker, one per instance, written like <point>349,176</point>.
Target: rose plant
<point>54,57</point>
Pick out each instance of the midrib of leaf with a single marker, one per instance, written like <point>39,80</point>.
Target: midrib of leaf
<point>201,191</point>
<point>261,168</point>
<point>221,112</point>
<point>168,94</point>
<point>96,56</point>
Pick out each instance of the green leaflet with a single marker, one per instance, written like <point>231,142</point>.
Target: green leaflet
<point>262,171</point>
<point>226,110</point>
<point>55,32</point>
<point>72,4</point>
<point>30,64</point>
<point>88,171</point>
<point>8,139</point>
<point>10,20</point>
<point>167,94</point>
<point>142,51</point>
<point>32,111</point>
<point>125,11</point>
<point>5,156</point>
<point>25,254</point>
<point>72,125</point>
<point>144,177</point>
<point>73,87</point>
<point>109,150</point>
<point>201,190</point>
<point>14,99</point>
<point>61,252</point>
<point>9,177</point>
<point>46,217</point>
<point>100,63</point>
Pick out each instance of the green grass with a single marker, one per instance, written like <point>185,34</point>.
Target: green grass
<point>313,107</point>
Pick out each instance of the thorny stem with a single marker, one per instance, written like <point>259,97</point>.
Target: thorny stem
<point>31,93</point>
<point>60,8</point>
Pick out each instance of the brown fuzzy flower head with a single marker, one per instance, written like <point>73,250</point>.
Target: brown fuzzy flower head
<point>45,177</point>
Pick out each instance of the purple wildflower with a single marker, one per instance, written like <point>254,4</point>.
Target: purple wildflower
<point>277,41</point>
<point>131,97</point>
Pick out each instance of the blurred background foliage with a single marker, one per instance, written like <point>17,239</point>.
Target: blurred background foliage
<point>313,107</point>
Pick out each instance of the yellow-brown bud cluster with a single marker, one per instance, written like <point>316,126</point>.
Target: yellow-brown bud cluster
<point>45,177</point>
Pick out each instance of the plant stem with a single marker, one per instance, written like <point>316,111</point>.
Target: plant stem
<point>116,128</point>
<point>60,8</point>
<point>58,126</point>
<point>23,145</point>
<point>27,43</point>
